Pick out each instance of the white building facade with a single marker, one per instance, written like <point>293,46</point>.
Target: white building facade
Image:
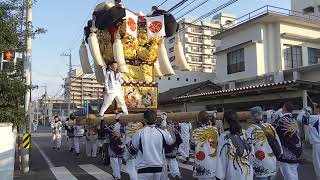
<point>198,45</point>
<point>82,88</point>
<point>183,78</point>
<point>268,47</point>
<point>307,7</point>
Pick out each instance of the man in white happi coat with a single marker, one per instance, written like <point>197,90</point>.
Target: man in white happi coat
<point>56,127</point>
<point>184,148</point>
<point>313,124</point>
<point>113,81</point>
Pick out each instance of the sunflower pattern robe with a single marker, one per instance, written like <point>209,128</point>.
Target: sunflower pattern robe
<point>206,143</point>
<point>264,163</point>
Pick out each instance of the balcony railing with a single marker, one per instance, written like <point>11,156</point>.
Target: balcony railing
<point>270,9</point>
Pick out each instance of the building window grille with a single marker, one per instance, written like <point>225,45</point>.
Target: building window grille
<point>195,49</point>
<point>172,58</point>
<point>313,56</point>
<point>235,61</point>
<point>196,58</point>
<point>171,49</point>
<point>196,29</point>
<point>292,56</point>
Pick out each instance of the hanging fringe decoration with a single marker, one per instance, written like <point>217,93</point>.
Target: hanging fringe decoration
<point>84,59</point>
<point>94,45</point>
<point>156,69</point>
<point>99,73</point>
<point>179,55</point>
<point>118,53</point>
<point>165,65</point>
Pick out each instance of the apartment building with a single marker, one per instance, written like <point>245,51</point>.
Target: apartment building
<point>197,43</point>
<point>82,88</point>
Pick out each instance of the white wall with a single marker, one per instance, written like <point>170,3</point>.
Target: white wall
<point>252,32</point>
<point>165,84</point>
<point>250,58</point>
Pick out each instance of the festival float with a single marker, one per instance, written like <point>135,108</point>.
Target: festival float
<point>136,42</point>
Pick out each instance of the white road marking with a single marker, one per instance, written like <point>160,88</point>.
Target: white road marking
<point>96,172</point>
<point>124,168</point>
<point>62,173</point>
<point>186,166</point>
<point>46,158</point>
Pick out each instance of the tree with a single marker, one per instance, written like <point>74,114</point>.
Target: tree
<point>11,23</point>
<point>12,87</point>
<point>12,91</point>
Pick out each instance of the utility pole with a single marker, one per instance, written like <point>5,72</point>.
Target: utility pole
<point>69,79</point>
<point>27,75</point>
<point>27,62</point>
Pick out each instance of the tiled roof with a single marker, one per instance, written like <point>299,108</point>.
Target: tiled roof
<point>255,87</point>
<point>173,93</point>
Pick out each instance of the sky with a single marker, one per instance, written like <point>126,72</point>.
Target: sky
<point>65,19</point>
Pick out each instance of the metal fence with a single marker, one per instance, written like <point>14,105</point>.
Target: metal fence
<point>270,9</point>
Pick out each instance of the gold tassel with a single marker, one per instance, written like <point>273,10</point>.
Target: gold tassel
<point>179,55</point>
<point>84,59</point>
<point>118,53</point>
<point>156,69</point>
<point>99,73</point>
<point>95,49</point>
<point>165,65</point>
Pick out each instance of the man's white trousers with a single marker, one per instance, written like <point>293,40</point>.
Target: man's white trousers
<point>108,99</point>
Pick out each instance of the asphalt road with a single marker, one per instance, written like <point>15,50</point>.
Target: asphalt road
<point>50,164</point>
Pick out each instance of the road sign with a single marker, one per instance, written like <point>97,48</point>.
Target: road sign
<point>26,141</point>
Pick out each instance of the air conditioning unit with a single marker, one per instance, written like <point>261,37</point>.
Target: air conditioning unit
<point>269,79</point>
<point>226,86</point>
<point>229,85</point>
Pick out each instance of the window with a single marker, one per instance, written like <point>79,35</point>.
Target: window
<point>172,58</point>
<point>313,56</point>
<point>308,10</point>
<point>319,8</point>
<point>195,80</point>
<point>196,58</point>
<point>178,79</point>
<point>196,68</point>
<point>195,49</point>
<point>196,29</point>
<point>171,49</point>
<point>235,61</point>
<point>292,56</point>
<point>159,78</point>
<point>171,40</point>
<point>187,79</point>
<point>196,39</point>
<point>169,78</point>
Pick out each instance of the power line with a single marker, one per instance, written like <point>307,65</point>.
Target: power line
<point>194,8</point>
<point>177,5</point>
<point>162,3</point>
<point>219,8</point>
<point>185,7</point>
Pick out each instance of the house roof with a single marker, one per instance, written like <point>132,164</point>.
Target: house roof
<point>171,94</point>
<point>299,84</point>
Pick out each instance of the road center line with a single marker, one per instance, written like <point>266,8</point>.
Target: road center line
<point>46,158</point>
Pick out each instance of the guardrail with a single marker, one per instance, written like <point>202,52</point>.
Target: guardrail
<point>269,9</point>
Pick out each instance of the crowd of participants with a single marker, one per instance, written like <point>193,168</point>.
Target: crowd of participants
<point>222,149</point>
